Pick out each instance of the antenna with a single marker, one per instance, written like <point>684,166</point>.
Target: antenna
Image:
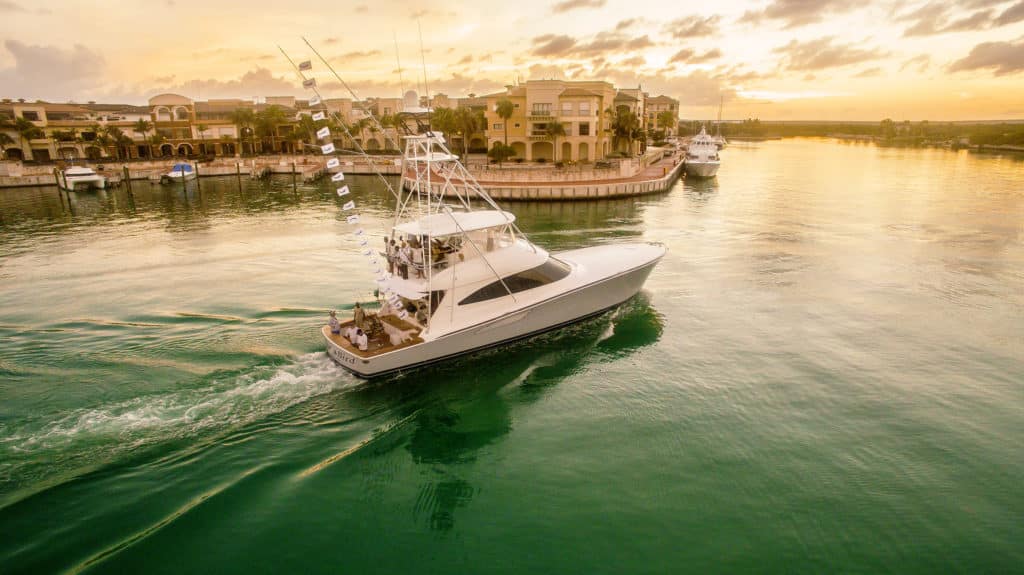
<point>426,89</point>
<point>401,83</point>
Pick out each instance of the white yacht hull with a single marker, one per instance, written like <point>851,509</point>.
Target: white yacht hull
<point>84,183</point>
<point>563,309</point>
<point>701,169</point>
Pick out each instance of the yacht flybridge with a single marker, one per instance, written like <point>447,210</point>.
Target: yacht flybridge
<point>466,278</point>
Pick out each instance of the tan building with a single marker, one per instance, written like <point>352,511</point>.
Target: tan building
<point>578,106</point>
<point>658,105</point>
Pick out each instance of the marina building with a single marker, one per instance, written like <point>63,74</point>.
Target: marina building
<point>172,125</point>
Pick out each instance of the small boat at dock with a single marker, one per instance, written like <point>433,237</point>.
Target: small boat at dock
<point>78,177</point>
<point>180,172</point>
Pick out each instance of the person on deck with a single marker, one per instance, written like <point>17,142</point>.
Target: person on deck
<point>334,323</point>
<point>362,342</point>
<point>359,316</point>
<point>404,260</point>
<point>350,334</point>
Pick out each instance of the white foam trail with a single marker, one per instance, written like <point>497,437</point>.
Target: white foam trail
<point>149,419</point>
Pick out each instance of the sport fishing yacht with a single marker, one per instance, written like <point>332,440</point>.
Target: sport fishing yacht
<point>702,159</point>
<point>75,177</point>
<point>477,281</point>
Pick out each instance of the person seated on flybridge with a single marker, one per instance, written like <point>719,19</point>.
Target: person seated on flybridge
<point>334,323</point>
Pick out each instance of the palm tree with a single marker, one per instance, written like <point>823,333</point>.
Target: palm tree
<point>468,124</point>
<point>154,141</point>
<point>142,126</point>
<point>624,125</point>
<point>103,138</point>
<point>5,142</point>
<point>243,119</point>
<point>666,119</point>
<point>202,128</point>
<point>555,130</point>
<point>27,131</point>
<point>505,109</point>
<point>267,122</point>
<point>443,120</point>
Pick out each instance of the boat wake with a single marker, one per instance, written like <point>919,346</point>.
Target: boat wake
<point>37,448</point>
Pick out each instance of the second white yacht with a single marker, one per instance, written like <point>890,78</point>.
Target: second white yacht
<point>702,160</point>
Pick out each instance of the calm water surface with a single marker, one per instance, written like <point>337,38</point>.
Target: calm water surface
<point>825,374</point>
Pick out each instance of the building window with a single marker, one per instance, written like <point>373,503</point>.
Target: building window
<point>30,116</point>
<point>584,128</point>
<point>498,126</point>
<point>517,124</point>
<point>541,110</point>
<point>516,105</point>
<point>584,108</point>
<point>540,129</point>
<point>566,108</point>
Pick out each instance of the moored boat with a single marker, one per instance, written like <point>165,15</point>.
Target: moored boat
<point>180,172</point>
<point>702,159</point>
<point>78,177</point>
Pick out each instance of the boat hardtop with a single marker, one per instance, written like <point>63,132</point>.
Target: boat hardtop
<point>448,222</point>
<point>79,171</point>
<point>182,167</point>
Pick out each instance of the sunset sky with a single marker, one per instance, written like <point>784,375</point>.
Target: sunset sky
<point>775,59</point>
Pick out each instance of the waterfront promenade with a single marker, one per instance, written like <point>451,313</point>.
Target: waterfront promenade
<point>622,179</point>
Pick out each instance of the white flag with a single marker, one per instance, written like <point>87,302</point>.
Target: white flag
<point>378,271</point>
<point>381,279</point>
<point>327,149</point>
<point>333,163</point>
<point>360,231</point>
<point>367,252</point>
<point>318,116</point>
<point>310,83</point>
<point>343,191</point>
<point>304,66</point>
<point>348,205</point>
<point>403,314</point>
<point>323,132</point>
<point>337,177</point>
<point>363,242</point>
<point>314,101</point>
<point>353,220</point>
<point>373,261</point>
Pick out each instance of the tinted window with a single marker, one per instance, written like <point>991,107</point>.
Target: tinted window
<point>548,272</point>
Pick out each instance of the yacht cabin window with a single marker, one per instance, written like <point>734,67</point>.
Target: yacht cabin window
<point>548,272</point>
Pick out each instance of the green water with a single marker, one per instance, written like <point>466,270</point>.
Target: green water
<point>825,374</point>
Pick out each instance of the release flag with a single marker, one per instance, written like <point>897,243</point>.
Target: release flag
<point>323,133</point>
<point>318,116</point>
<point>304,66</point>
<point>314,101</point>
<point>348,205</point>
<point>327,149</point>
<point>339,176</point>
<point>353,220</point>
<point>359,231</point>
<point>310,83</point>
<point>343,191</point>
<point>333,163</point>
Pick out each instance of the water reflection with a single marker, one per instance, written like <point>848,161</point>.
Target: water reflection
<point>463,407</point>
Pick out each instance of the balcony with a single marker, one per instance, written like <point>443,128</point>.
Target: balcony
<point>540,116</point>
